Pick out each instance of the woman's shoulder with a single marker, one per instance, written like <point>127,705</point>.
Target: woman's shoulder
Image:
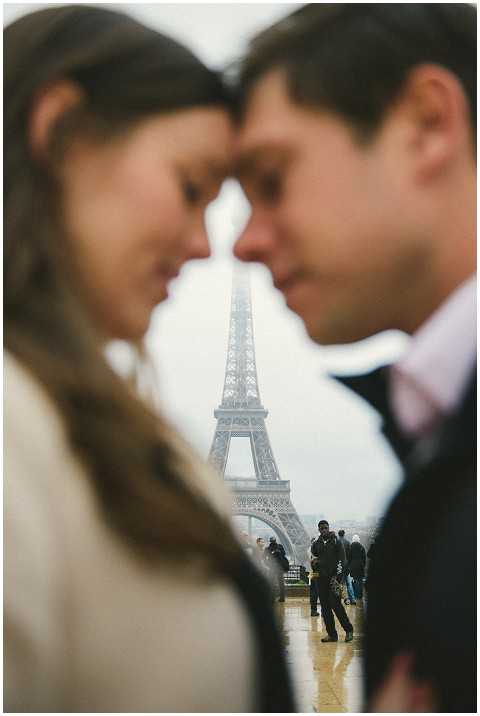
<point>28,409</point>
<point>37,454</point>
<point>33,559</point>
<point>36,448</point>
<point>37,458</point>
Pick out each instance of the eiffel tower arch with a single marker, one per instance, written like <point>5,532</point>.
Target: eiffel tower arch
<point>241,414</point>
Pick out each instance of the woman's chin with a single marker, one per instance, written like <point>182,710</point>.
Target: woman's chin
<point>132,328</point>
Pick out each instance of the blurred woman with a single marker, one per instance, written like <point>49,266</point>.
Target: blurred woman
<point>259,555</point>
<point>125,588</point>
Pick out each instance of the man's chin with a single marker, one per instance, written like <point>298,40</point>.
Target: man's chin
<point>330,334</point>
<point>324,320</point>
<point>316,314</point>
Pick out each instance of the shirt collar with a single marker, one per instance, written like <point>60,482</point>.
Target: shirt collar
<point>430,379</point>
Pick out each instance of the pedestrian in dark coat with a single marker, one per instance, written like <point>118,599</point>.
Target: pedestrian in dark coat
<point>346,573</point>
<point>356,565</point>
<point>277,563</point>
<point>328,562</point>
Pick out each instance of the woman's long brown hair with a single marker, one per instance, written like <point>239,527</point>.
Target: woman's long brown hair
<point>126,72</point>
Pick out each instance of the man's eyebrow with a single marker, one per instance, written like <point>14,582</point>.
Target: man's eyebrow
<point>247,163</point>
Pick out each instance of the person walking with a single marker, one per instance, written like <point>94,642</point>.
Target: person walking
<point>277,563</point>
<point>328,560</point>
<point>356,565</point>
<point>314,595</point>
<point>259,554</point>
<point>357,151</point>
<point>346,574</point>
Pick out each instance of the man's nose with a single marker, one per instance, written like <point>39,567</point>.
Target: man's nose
<point>255,243</point>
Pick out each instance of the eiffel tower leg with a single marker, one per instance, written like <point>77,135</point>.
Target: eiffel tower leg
<point>219,450</point>
<point>297,534</point>
<point>263,460</point>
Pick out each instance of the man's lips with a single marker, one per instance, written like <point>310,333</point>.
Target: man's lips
<point>285,281</point>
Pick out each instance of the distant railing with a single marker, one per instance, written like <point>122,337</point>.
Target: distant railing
<point>253,484</point>
<point>295,574</point>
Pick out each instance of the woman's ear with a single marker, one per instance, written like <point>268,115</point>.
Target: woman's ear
<point>49,105</point>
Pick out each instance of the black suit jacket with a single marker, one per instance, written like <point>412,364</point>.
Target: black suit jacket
<point>422,583</point>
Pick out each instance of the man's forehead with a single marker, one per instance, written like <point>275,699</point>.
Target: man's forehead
<point>274,125</point>
<point>268,91</point>
<point>266,112</point>
<point>259,138</point>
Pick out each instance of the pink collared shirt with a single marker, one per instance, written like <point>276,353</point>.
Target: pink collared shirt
<point>428,382</point>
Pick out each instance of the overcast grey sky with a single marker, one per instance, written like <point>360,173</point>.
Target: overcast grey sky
<point>325,441</point>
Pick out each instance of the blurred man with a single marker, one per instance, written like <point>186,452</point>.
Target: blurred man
<point>357,153</point>
<point>277,563</point>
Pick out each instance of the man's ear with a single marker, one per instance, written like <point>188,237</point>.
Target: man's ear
<point>438,113</point>
<point>49,105</point>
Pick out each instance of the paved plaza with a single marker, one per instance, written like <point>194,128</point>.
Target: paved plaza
<point>327,677</point>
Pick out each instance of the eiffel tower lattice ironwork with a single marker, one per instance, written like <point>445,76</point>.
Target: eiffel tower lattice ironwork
<point>241,414</point>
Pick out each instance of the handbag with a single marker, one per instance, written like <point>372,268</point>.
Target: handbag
<point>337,588</point>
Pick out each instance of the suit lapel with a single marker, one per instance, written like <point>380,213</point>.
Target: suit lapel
<point>454,437</point>
<point>373,388</point>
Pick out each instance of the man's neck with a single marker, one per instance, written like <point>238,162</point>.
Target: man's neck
<point>453,257</point>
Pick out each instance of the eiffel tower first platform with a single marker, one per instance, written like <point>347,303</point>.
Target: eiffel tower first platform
<point>241,414</point>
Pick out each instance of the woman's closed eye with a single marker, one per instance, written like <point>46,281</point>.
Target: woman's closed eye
<point>192,191</point>
<point>199,192</point>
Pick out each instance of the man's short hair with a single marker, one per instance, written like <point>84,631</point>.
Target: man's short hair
<point>341,533</point>
<point>323,522</point>
<point>352,59</point>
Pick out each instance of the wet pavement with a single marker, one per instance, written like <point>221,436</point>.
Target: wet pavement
<point>327,677</point>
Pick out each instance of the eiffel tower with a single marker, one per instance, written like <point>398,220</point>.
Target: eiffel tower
<point>241,414</point>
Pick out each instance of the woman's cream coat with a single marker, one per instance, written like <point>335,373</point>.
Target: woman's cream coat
<point>88,627</point>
